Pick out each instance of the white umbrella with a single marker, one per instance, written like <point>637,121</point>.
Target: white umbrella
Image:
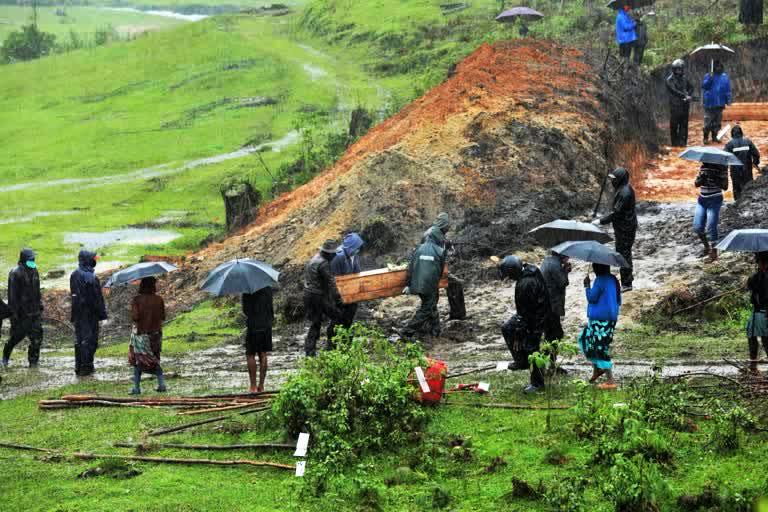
<point>712,51</point>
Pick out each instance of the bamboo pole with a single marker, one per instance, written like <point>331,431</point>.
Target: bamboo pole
<point>214,447</point>
<point>24,447</point>
<point>164,460</point>
<point>226,408</point>
<point>512,406</point>
<point>177,428</point>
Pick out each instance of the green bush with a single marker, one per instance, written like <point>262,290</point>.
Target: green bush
<point>352,400</point>
<point>635,485</point>
<point>27,44</point>
<point>727,436</point>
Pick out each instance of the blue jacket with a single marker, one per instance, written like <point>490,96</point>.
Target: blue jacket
<point>347,260</point>
<point>717,90</point>
<point>625,28</point>
<point>604,299</point>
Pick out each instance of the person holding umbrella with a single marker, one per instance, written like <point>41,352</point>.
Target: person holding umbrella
<point>260,315</point>
<point>88,310</point>
<point>717,94</point>
<point>712,181</point>
<point>680,91</point>
<point>148,315</point>
<point>604,298</point>
<point>624,220</point>
<point>757,326</point>
<point>749,156</point>
<point>321,297</point>
<point>626,34</point>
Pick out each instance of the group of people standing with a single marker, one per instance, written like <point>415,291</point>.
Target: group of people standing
<point>631,35</point>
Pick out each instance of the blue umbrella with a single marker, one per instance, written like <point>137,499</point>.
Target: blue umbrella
<point>710,156</point>
<point>240,276</point>
<point>592,252</point>
<point>745,240</point>
<point>139,271</point>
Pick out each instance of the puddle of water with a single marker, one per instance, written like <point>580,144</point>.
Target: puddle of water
<point>130,236</point>
<point>163,14</point>
<point>36,215</point>
<point>290,138</point>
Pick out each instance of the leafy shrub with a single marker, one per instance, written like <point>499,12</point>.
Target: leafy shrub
<point>352,400</point>
<point>566,494</point>
<point>635,485</point>
<point>27,44</point>
<point>662,404</point>
<point>727,436</point>
<point>594,414</point>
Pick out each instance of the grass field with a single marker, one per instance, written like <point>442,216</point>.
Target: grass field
<point>517,437</point>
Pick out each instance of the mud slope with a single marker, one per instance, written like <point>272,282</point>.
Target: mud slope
<point>521,133</point>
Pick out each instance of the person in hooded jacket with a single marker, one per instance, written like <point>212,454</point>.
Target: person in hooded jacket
<point>712,181</point>
<point>626,34</point>
<point>423,279</point>
<point>321,297</point>
<point>749,156</point>
<point>624,220</point>
<point>456,306</point>
<point>555,269</point>
<point>347,261</point>
<point>26,305</point>
<point>88,310</point>
<point>717,94</point>
<point>757,326</point>
<point>680,91</point>
<point>522,333</point>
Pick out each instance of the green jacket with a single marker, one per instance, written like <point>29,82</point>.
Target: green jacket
<point>427,264</point>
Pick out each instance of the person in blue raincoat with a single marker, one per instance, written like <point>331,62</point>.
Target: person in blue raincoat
<point>626,32</point>
<point>716,88</point>
<point>347,261</point>
<point>88,310</point>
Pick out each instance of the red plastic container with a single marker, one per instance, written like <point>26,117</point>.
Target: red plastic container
<point>435,374</point>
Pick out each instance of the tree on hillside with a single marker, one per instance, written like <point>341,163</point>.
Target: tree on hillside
<point>27,44</point>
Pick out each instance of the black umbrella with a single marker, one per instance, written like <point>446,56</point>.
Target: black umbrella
<point>526,13</point>
<point>240,276</point>
<point>592,252</point>
<point>710,156</point>
<point>712,52</point>
<point>745,240</point>
<point>634,4</point>
<point>139,271</point>
<point>559,231</point>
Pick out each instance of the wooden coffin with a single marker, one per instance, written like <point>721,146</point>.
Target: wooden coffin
<point>746,112</point>
<point>375,284</point>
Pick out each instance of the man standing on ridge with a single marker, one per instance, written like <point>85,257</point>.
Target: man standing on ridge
<point>624,220</point>
<point>680,91</point>
<point>321,297</point>
<point>88,310</point>
<point>424,272</point>
<point>745,151</point>
<point>26,305</point>
<point>717,94</point>
<point>626,34</point>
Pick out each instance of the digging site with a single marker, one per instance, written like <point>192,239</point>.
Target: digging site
<point>520,133</point>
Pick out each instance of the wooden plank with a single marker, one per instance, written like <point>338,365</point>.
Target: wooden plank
<point>375,284</point>
<point>746,112</point>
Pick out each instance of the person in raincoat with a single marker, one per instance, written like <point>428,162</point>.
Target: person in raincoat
<point>555,269</point>
<point>88,310</point>
<point>347,261</point>
<point>624,220</point>
<point>717,94</point>
<point>456,307</point>
<point>260,315</point>
<point>148,315</point>
<point>321,297</point>
<point>423,279</point>
<point>522,333</point>
<point>641,30</point>
<point>757,325</point>
<point>749,156</point>
<point>712,182</point>
<point>604,301</point>
<point>680,91</point>
<point>26,305</point>
<point>626,34</point>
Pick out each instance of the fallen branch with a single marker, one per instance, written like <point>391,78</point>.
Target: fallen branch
<point>706,301</point>
<point>512,406</point>
<point>226,408</point>
<point>214,447</point>
<point>243,395</point>
<point>469,372</point>
<point>178,428</point>
<point>163,460</point>
<point>706,374</point>
<point>24,447</point>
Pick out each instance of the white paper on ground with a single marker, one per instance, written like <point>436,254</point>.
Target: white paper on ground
<point>422,380</point>
<point>484,386</point>
<point>300,467</point>
<point>502,365</point>
<point>301,445</point>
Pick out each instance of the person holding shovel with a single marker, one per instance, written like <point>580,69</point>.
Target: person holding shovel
<point>624,220</point>
<point>757,326</point>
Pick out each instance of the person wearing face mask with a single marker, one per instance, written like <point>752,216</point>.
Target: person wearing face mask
<point>347,261</point>
<point>26,305</point>
<point>88,310</point>
<point>680,91</point>
<point>717,94</point>
<point>423,278</point>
